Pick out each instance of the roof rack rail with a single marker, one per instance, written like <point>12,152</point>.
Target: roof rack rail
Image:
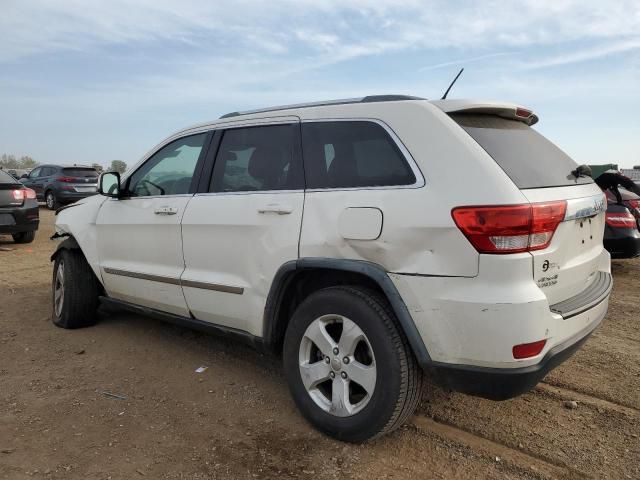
<point>367,99</point>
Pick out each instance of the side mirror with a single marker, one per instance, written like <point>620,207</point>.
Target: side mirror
<point>109,184</point>
<point>24,175</point>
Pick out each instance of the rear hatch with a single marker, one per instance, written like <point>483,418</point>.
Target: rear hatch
<point>7,185</point>
<point>84,180</point>
<point>543,173</point>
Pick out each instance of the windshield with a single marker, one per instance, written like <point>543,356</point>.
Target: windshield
<point>528,158</point>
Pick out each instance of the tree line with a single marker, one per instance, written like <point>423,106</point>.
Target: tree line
<point>27,163</point>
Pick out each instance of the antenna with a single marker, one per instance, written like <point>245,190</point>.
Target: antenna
<point>454,81</point>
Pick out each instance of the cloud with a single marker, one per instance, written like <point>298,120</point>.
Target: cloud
<point>464,61</point>
<point>585,54</point>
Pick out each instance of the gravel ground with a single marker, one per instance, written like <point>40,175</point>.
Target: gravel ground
<point>236,419</point>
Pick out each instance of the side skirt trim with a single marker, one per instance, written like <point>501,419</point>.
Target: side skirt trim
<point>176,281</point>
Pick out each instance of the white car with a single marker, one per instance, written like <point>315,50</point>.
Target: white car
<point>364,240</point>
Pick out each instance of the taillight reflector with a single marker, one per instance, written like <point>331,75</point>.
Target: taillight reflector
<point>510,228</point>
<point>620,220</point>
<point>66,179</point>
<point>528,350</point>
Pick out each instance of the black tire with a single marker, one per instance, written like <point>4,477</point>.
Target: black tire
<point>398,383</point>
<point>51,200</point>
<point>80,291</point>
<point>24,237</point>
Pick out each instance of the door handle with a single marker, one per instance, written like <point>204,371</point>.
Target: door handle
<point>276,208</point>
<point>165,211</point>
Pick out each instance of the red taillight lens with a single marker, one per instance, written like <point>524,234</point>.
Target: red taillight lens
<point>22,194</point>
<point>18,195</point>
<point>633,203</point>
<point>66,179</point>
<point>528,350</point>
<point>620,220</point>
<point>510,228</point>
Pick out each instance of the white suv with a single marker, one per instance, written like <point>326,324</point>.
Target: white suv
<point>365,240</point>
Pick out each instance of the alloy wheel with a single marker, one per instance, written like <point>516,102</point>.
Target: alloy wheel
<point>58,290</point>
<point>337,365</point>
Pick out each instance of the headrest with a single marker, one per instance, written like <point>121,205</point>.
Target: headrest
<point>266,162</point>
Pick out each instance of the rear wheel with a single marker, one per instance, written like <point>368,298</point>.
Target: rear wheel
<point>24,237</point>
<point>348,365</point>
<point>75,291</point>
<point>51,200</point>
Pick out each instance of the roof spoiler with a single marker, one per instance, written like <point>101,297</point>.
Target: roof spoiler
<point>505,110</point>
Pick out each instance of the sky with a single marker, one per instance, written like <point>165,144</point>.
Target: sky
<point>85,81</point>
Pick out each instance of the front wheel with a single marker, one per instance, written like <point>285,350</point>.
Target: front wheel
<point>348,365</point>
<point>74,290</point>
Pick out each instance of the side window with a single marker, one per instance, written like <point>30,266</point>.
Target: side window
<point>47,171</point>
<point>170,170</point>
<point>352,154</point>
<point>257,158</point>
<point>35,173</point>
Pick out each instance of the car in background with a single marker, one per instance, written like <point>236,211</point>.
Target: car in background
<point>19,212</point>
<point>622,223</point>
<point>58,185</point>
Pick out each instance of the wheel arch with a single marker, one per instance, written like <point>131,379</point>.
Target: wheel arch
<point>297,279</point>
<point>69,243</point>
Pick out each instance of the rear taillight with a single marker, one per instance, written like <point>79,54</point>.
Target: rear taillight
<point>22,194</point>
<point>633,203</point>
<point>510,228</point>
<point>528,350</point>
<point>620,220</point>
<point>66,179</point>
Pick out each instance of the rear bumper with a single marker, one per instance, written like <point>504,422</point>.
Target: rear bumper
<point>624,246</point>
<point>469,326</point>
<point>505,383</point>
<point>19,219</point>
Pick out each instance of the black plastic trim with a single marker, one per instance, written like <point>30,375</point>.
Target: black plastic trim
<point>375,272</point>
<point>505,383</point>
<point>367,99</point>
<point>68,243</point>
<point>186,322</point>
<point>591,296</point>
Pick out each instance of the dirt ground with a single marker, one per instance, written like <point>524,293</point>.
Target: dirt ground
<point>236,419</point>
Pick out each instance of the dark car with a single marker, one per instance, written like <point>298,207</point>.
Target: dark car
<point>59,185</point>
<point>19,214</point>
<point>621,234</point>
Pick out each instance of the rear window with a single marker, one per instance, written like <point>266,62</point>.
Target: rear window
<point>80,172</point>
<point>6,178</point>
<point>528,158</point>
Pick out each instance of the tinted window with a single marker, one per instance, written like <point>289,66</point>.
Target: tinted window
<point>528,158</point>
<point>80,172</point>
<point>47,171</point>
<point>6,178</point>
<point>35,173</point>
<point>257,158</point>
<point>170,170</point>
<point>352,154</point>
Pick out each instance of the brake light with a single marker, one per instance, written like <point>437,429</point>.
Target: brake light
<point>510,228</point>
<point>620,220</point>
<point>523,112</point>
<point>633,203</point>
<point>528,350</point>
<point>66,179</point>
<point>22,194</point>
